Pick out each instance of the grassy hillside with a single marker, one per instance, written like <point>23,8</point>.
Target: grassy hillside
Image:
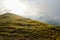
<point>13,27</point>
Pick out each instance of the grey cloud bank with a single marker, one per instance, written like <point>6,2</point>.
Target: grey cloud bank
<point>43,10</point>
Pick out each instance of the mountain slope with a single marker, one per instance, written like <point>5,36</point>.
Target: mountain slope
<point>12,19</point>
<point>13,27</point>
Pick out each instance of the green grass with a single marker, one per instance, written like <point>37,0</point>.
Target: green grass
<point>30,34</point>
<point>13,27</point>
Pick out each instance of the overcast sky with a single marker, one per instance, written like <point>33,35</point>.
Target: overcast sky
<point>44,10</point>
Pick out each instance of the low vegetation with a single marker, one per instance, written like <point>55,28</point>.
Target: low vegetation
<point>13,27</point>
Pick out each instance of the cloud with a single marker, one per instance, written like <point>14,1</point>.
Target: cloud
<point>42,10</point>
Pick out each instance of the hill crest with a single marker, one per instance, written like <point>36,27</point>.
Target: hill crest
<point>12,19</point>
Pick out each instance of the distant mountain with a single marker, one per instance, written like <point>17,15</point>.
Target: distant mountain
<point>14,27</point>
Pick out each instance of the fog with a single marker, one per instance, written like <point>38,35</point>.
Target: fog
<point>43,10</point>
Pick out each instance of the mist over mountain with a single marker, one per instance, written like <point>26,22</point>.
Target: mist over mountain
<point>47,11</point>
<point>29,19</point>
